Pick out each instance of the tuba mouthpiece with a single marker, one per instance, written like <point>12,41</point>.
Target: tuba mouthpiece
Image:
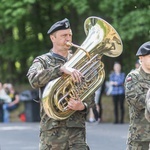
<point>68,44</point>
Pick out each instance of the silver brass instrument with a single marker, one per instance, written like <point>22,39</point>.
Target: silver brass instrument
<point>102,39</point>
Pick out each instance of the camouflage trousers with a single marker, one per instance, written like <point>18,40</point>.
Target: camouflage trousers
<point>138,146</point>
<point>63,139</point>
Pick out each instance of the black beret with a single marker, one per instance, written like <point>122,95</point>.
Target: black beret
<point>144,49</point>
<point>60,25</point>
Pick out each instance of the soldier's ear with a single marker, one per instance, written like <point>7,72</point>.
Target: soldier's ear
<point>52,37</point>
<point>140,59</point>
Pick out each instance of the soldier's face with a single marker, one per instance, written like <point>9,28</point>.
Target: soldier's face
<point>61,37</point>
<point>145,62</point>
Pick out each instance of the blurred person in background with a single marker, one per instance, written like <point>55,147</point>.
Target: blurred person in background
<point>1,104</point>
<point>99,103</point>
<point>137,64</point>
<point>137,84</point>
<point>147,109</point>
<point>4,98</point>
<point>95,113</point>
<point>116,80</point>
<point>10,106</point>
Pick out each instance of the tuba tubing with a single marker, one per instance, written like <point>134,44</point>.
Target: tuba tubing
<point>102,39</point>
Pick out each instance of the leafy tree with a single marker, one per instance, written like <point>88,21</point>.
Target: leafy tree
<point>24,25</point>
<point>132,20</point>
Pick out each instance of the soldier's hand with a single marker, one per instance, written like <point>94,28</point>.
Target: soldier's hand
<point>75,104</point>
<point>75,74</point>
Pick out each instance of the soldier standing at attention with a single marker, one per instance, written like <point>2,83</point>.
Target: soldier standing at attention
<point>137,84</point>
<point>147,110</point>
<point>68,134</point>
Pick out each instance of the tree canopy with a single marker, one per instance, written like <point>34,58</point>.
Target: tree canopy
<point>24,24</point>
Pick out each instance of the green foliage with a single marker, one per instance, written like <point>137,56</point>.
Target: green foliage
<point>12,11</point>
<point>135,23</point>
<point>23,27</point>
<point>130,18</point>
<point>80,6</point>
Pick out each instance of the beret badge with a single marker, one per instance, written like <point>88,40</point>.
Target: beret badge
<point>60,25</point>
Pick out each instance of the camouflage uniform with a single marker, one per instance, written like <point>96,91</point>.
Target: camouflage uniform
<point>147,110</point>
<point>68,134</point>
<point>137,84</point>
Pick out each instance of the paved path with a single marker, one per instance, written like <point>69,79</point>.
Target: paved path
<point>24,136</point>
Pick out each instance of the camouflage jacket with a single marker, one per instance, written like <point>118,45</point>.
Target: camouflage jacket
<point>147,109</point>
<point>137,84</point>
<point>44,69</point>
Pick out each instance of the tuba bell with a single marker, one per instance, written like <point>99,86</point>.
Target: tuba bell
<point>102,39</point>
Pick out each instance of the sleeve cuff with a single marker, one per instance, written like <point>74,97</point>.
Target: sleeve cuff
<point>86,107</point>
<point>57,69</point>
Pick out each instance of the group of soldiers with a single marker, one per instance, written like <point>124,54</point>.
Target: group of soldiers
<point>70,134</point>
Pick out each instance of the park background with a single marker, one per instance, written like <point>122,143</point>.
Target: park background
<point>24,25</point>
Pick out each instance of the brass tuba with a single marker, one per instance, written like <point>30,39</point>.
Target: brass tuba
<point>102,39</point>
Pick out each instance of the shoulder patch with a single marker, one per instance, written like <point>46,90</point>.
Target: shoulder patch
<point>36,60</point>
<point>129,79</point>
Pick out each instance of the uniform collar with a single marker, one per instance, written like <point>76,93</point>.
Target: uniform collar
<point>146,75</point>
<point>58,56</point>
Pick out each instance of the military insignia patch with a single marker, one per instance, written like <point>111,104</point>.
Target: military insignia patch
<point>129,79</point>
<point>36,60</point>
<point>66,25</point>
